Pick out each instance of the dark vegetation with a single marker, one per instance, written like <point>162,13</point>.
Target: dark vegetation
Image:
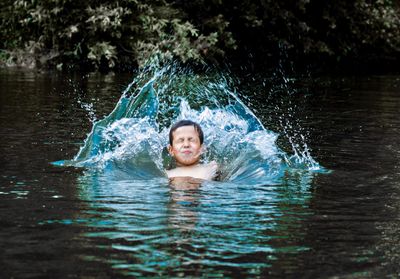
<point>124,34</point>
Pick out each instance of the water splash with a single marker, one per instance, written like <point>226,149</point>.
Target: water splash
<point>133,137</point>
<point>88,107</point>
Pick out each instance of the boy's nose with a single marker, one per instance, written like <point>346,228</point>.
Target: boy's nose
<point>186,143</point>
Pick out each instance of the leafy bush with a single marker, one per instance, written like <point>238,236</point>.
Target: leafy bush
<point>100,35</point>
<point>123,33</point>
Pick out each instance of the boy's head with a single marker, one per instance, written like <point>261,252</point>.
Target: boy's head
<point>186,142</point>
<point>182,123</point>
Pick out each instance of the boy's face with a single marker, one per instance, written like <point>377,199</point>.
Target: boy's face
<point>186,147</point>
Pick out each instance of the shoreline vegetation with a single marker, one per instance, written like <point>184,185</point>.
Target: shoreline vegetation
<point>121,35</point>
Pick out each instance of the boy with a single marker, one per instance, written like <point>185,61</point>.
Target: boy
<point>186,146</point>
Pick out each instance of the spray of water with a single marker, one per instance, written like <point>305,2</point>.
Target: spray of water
<point>133,137</point>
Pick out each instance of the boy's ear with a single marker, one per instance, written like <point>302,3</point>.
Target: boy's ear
<point>170,150</point>
<point>203,148</point>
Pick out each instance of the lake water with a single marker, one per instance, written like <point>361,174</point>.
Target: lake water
<point>343,222</point>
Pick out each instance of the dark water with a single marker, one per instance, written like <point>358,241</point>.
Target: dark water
<point>61,222</point>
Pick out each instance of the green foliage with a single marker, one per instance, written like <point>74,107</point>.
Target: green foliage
<point>115,33</point>
<point>101,35</point>
<point>316,29</point>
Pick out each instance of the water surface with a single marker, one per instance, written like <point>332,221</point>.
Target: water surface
<point>74,222</point>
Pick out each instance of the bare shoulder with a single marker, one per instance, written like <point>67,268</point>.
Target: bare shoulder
<point>172,173</point>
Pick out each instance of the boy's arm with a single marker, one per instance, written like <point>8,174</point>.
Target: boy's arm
<point>214,169</point>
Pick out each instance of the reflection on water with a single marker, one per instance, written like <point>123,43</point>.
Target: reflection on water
<point>173,229</point>
<point>94,222</point>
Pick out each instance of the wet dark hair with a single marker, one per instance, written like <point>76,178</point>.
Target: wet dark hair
<point>182,123</point>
